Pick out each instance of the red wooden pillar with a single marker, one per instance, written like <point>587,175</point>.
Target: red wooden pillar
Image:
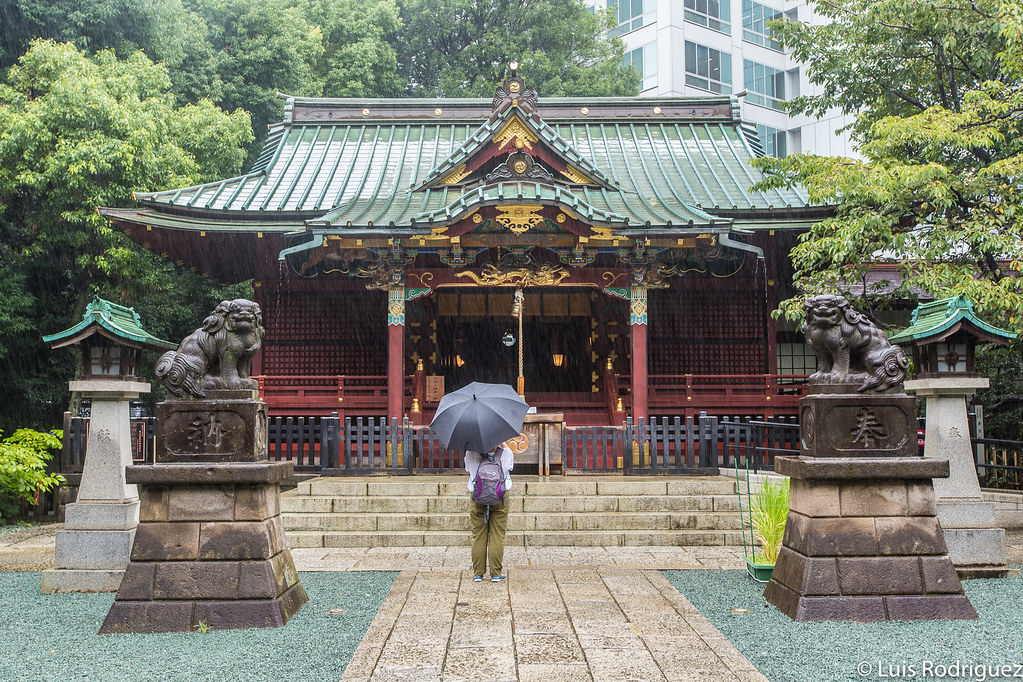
<point>637,326</point>
<point>395,352</point>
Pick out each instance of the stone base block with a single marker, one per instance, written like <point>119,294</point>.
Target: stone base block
<point>966,513</point>
<point>67,580</point>
<point>187,616</point>
<point>976,546</point>
<point>93,549</point>
<point>857,425</point>
<point>973,572</point>
<point>868,608</point>
<point>209,551</point>
<point>86,515</point>
<point>229,428</point>
<point>863,543</point>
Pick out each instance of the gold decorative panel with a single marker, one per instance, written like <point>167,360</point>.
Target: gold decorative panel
<point>575,176</point>
<point>515,130</point>
<point>519,217</point>
<point>455,176</point>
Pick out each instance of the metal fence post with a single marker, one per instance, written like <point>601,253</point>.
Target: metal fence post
<point>708,441</point>
<point>407,447</point>
<point>625,459</point>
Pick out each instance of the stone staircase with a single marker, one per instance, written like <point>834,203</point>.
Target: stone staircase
<point>568,511</point>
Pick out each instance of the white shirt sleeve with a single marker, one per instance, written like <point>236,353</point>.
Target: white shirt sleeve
<point>472,463</point>
<point>507,464</point>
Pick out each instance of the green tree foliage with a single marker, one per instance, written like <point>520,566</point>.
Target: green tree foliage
<point>161,28</point>
<point>358,59</point>
<point>250,50</point>
<point>75,133</point>
<point>461,48</point>
<point>23,475</point>
<point>939,91</point>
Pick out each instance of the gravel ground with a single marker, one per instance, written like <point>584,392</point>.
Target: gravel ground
<point>53,637</point>
<point>816,652</point>
<point>14,528</point>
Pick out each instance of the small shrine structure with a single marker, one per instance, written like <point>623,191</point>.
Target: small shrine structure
<point>384,235</point>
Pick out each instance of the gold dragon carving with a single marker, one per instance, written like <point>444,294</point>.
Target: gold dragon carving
<point>491,275</point>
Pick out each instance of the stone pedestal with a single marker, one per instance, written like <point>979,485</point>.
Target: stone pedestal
<point>975,545</point>
<point>862,540</point>
<point>209,550</point>
<point>92,550</point>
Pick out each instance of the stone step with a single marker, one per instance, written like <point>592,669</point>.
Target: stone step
<point>612,510</point>
<point>554,521</point>
<point>451,504</point>
<point>573,538</point>
<point>568,486</point>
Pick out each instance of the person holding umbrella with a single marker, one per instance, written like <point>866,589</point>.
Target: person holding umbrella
<point>476,420</point>
<point>489,523</point>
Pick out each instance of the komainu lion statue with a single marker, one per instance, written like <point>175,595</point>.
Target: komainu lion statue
<point>850,348</point>
<point>218,355</point>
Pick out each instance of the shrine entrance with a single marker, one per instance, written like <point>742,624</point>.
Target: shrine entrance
<point>478,338</point>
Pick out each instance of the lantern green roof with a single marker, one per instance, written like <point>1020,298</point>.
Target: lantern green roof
<point>935,321</point>
<point>113,321</point>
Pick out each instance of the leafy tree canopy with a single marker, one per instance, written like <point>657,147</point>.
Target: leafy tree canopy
<point>939,88</point>
<point>161,28</point>
<point>78,132</point>
<point>462,48</point>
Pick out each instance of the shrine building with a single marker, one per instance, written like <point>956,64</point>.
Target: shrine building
<point>606,255</point>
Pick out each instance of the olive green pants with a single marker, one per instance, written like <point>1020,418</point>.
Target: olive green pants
<point>488,537</point>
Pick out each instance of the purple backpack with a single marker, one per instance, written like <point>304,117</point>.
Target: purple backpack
<point>488,486</point>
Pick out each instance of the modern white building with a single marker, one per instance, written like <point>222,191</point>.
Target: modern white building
<point>690,47</point>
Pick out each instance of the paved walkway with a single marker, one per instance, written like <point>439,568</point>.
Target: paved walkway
<point>565,613</point>
<point>543,624</point>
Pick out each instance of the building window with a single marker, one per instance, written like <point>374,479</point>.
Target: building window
<point>795,357</point>
<point>631,15</point>
<point>645,60</point>
<point>710,13</point>
<point>754,24</point>
<point>708,69</point>
<point>772,140</point>
<point>765,85</point>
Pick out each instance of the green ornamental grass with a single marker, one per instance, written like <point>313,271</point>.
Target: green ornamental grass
<point>769,507</point>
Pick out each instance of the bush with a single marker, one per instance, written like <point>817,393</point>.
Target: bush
<point>769,508</point>
<point>23,475</point>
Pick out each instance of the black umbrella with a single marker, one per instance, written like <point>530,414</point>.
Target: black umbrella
<point>479,417</point>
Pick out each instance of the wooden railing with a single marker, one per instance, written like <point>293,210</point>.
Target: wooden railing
<point>304,394</point>
<point>366,395</point>
<point>763,394</point>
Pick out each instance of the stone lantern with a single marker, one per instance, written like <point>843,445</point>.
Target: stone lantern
<point>93,549</point>
<point>943,336</point>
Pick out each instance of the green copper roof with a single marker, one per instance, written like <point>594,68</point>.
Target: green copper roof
<point>345,164</point>
<point>936,320</point>
<point>485,133</point>
<point>116,320</point>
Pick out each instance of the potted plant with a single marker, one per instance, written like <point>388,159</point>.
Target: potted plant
<point>768,509</point>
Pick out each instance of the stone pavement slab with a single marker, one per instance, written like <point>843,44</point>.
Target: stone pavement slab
<point>595,623</point>
<point>30,549</point>
<point>448,558</point>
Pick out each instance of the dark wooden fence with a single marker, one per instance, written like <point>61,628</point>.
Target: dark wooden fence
<point>366,445</point>
<point>999,463</point>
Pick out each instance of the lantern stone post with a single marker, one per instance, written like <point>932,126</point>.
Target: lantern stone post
<point>92,550</point>
<point>944,335</point>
